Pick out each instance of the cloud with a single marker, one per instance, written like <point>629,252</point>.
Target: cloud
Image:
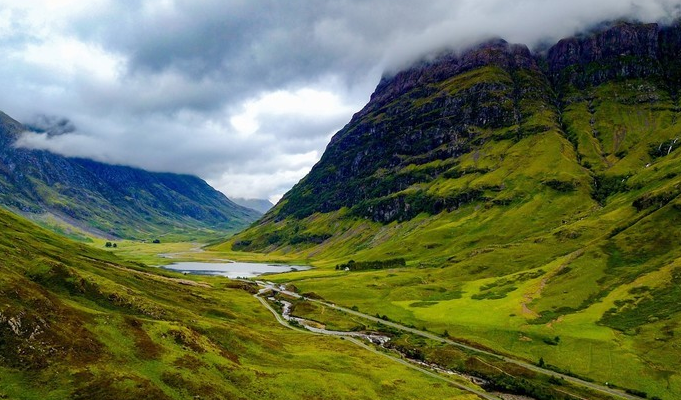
<point>50,125</point>
<point>243,93</point>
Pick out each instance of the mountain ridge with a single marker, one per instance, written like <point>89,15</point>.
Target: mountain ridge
<point>110,200</point>
<point>623,42</point>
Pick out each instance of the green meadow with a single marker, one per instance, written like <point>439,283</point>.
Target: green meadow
<point>82,323</point>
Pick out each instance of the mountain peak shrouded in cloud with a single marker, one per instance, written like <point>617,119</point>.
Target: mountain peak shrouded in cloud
<point>243,94</point>
<point>50,125</point>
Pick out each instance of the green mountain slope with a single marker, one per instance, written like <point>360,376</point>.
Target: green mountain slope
<point>110,200</point>
<point>78,323</point>
<point>532,196</point>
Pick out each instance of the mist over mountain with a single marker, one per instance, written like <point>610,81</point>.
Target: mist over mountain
<point>81,195</point>
<point>247,93</point>
<point>439,111</point>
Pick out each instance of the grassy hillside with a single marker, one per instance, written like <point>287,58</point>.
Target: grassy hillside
<point>76,322</point>
<point>534,200</point>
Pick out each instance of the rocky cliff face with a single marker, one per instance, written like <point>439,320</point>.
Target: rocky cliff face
<point>432,112</point>
<point>441,110</point>
<point>431,127</point>
<point>111,200</point>
<point>624,51</point>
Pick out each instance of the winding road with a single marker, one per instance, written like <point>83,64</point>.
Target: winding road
<point>580,382</point>
<point>358,342</point>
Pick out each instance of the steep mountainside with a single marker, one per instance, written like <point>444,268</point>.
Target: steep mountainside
<point>110,200</point>
<point>78,323</point>
<point>531,195</point>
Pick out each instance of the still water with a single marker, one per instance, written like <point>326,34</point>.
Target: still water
<point>232,269</point>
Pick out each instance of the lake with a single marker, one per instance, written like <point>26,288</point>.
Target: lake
<point>233,269</point>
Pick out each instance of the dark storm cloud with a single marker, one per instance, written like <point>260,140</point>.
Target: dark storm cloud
<point>50,125</point>
<point>257,45</point>
<point>244,93</point>
<point>240,47</point>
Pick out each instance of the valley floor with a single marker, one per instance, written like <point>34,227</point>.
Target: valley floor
<point>572,345</point>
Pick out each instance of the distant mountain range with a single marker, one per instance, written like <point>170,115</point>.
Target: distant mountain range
<point>80,195</point>
<point>260,205</point>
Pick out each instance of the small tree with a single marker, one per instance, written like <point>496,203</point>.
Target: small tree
<point>115,245</point>
<point>107,244</point>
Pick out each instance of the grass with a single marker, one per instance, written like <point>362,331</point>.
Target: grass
<point>79,322</point>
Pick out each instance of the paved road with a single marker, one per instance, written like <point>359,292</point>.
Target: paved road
<point>283,322</point>
<point>594,386</point>
<point>276,314</point>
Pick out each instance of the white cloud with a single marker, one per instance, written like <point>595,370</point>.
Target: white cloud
<point>305,103</point>
<point>70,57</point>
<point>245,94</point>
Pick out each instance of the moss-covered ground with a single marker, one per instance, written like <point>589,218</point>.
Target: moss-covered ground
<point>78,322</point>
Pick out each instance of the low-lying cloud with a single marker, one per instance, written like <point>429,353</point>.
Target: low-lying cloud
<point>245,94</point>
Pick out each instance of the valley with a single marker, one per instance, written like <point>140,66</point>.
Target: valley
<point>459,350</point>
<point>79,322</point>
<point>497,222</point>
<point>458,353</point>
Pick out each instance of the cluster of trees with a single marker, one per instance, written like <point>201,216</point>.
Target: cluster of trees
<point>114,245</point>
<point>605,186</point>
<point>353,265</point>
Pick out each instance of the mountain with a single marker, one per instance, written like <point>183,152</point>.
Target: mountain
<point>531,195</point>
<point>110,200</point>
<point>260,205</point>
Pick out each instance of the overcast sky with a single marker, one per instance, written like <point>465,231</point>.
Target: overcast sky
<point>243,93</point>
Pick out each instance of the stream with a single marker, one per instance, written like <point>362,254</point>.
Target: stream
<point>375,338</point>
<point>310,326</point>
